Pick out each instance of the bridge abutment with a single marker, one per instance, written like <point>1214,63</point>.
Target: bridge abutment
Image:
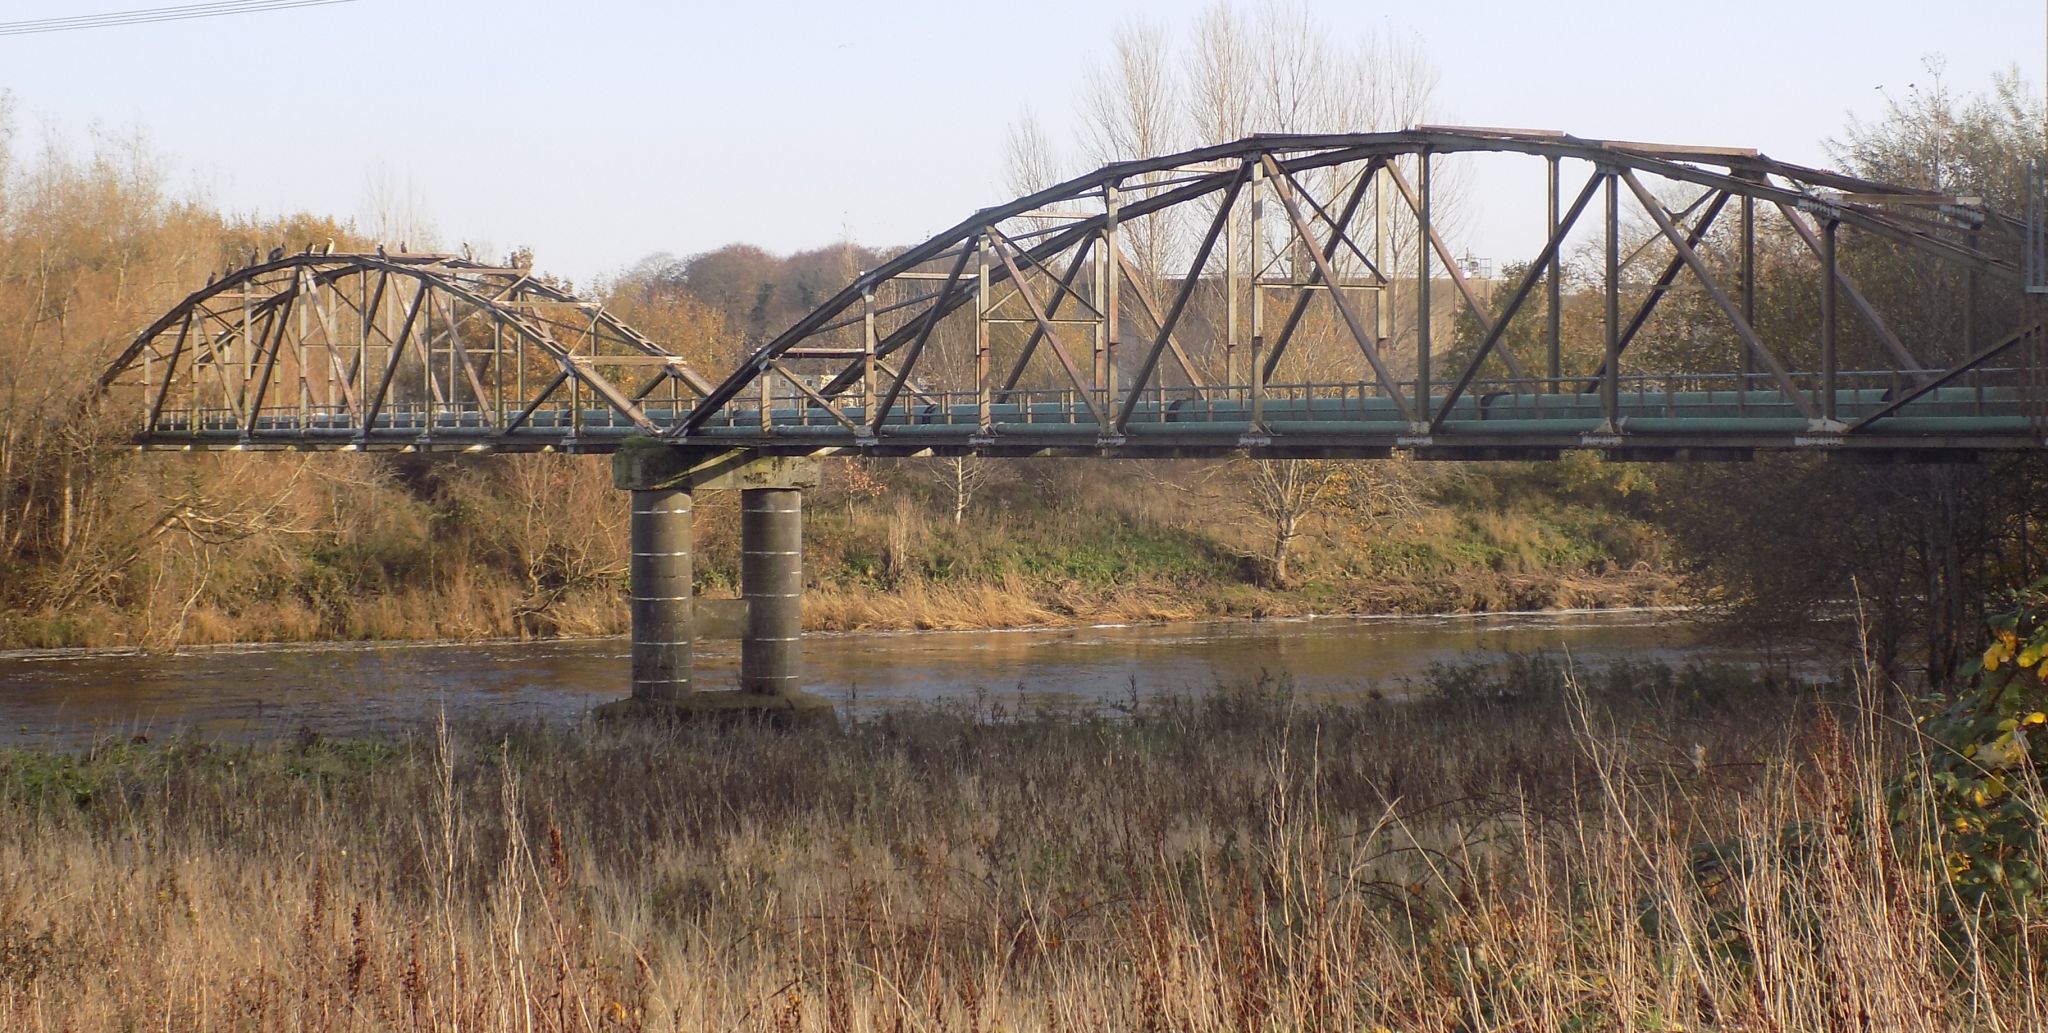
<point>663,480</point>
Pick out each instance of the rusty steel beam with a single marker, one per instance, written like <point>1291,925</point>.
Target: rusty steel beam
<point>1180,302</point>
<point>1038,333</point>
<point>1052,337</point>
<point>1301,300</point>
<point>1365,344</point>
<point>1728,308</point>
<point>1545,265</point>
<point>1487,321</point>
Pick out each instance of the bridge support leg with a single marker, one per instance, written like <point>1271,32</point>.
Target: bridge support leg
<point>661,572</point>
<point>663,479</point>
<point>772,579</point>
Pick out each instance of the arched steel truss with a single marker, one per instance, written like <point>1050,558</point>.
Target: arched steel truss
<point>1158,307</point>
<point>393,350</point>
<point>1282,217</point>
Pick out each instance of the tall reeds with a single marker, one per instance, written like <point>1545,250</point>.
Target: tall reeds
<point>1567,856</point>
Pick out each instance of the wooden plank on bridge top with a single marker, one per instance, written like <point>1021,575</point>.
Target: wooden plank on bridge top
<point>1866,197</point>
<point>1669,150</point>
<point>629,360</point>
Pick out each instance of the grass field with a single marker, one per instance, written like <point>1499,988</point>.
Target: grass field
<point>1516,853</point>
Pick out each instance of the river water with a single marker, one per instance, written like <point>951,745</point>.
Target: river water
<point>239,692</point>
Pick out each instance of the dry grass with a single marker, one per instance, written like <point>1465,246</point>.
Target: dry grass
<point>1247,862</point>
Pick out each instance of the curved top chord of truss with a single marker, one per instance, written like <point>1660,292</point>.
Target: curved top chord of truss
<point>380,349</point>
<point>1069,270</point>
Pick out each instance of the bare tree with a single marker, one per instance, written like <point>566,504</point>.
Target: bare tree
<point>961,478</point>
<point>396,212</point>
<point>1032,161</point>
<point>1296,72</point>
<point>1131,108</point>
<point>1220,73</point>
<point>1283,493</point>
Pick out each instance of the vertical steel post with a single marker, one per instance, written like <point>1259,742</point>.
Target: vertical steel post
<point>306,290</point>
<point>1423,407</point>
<point>1552,331</point>
<point>772,580</point>
<point>1827,320</point>
<point>426,324</point>
<point>1972,287</point>
<point>1098,295</point>
<point>984,415</point>
<point>867,354</point>
<point>661,572</point>
<point>451,396</point>
<point>1114,256</point>
<point>363,354</point>
<point>1746,361</point>
<point>1230,272</point>
<point>1258,367</point>
<point>498,373</point>
<point>519,363</point>
<point>1382,309</point>
<point>248,343</point>
<point>149,377</point>
<point>1610,380</point>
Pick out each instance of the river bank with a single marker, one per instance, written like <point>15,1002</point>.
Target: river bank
<point>525,547</point>
<point>486,614</point>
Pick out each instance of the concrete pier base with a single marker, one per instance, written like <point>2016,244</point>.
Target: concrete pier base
<point>772,580</point>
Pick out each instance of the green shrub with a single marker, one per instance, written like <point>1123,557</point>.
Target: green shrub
<point>1972,804</point>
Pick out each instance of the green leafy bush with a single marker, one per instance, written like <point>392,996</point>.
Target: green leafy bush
<point>1975,799</point>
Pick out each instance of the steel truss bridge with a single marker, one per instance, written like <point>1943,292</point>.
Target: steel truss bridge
<point>1280,296</point>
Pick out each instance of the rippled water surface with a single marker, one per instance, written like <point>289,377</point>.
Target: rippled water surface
<point>344,689</point>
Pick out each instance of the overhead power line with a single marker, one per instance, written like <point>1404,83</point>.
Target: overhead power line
<point>148,15</point>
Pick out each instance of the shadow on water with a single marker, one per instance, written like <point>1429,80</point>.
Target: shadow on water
<point>345,689</point>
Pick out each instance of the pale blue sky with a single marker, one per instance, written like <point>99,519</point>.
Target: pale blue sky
<point>599,131</point>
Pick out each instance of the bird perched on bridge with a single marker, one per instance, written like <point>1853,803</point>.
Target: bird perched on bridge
<point>380,249</point>
<point>329,249</point>
<point>277,253</point>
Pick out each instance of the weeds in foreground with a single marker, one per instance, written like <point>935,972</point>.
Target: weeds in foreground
<point>1243,861</point>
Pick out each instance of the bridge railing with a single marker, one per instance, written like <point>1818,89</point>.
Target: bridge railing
<point>1982,393</point>
<point>1987,392</point>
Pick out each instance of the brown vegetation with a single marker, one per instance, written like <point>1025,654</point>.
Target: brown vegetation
<point>1511,855</point>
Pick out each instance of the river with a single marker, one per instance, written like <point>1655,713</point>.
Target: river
<point>61,698</point>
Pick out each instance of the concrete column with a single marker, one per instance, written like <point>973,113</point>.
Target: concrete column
<point>772,580</point>
<point>661,572</point>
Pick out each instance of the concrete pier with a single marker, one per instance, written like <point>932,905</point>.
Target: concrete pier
<point>661,571</point>
<point>662,479</point>
<point>772,580</point>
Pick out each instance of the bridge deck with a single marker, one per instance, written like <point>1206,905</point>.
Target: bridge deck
<point>1287,420</point>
